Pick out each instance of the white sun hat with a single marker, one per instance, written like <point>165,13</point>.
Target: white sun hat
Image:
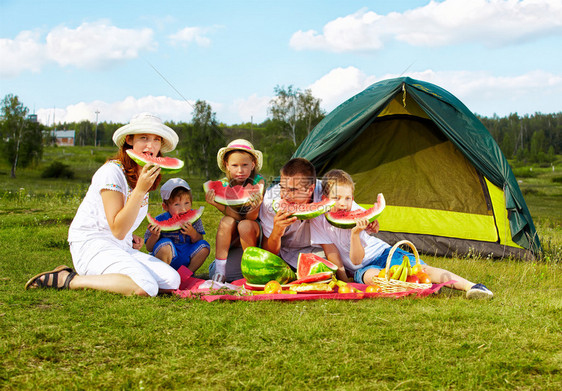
<point>239,145</point>
<point>150,124</point>
<point>170,185</point>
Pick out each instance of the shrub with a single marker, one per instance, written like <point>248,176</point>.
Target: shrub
<point>58,170</point>
<point>557,179</point>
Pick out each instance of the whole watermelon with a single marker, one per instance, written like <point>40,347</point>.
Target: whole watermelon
<point>260,266</point>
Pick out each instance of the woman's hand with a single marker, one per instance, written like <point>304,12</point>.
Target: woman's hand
<point>147,176</point>
<point>137,242</point>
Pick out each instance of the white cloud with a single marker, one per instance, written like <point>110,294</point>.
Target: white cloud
<point>90,46</point>
<point>481,92</point>
<point>122,111</point>
<point>488,22</point>
<point>96,45</point>
<point>24,53</point>
<point>251,109</point>
<point>188,35</point>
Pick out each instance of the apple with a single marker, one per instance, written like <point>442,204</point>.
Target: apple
<point>413,278</point>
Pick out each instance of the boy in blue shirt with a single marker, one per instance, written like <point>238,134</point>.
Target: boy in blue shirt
<point>184,247</point>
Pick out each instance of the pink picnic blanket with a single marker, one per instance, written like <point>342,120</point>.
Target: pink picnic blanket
<point>189,289</point>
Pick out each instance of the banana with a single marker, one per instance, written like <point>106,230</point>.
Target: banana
<point>398,272</point>
<point>404,274</point>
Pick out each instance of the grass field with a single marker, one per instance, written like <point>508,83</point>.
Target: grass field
<point>95,340</point>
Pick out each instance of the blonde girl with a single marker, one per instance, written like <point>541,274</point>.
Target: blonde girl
<point>241,163</point>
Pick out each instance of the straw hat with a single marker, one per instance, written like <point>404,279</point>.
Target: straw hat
<point>239,145</point>
<point>151,124</point>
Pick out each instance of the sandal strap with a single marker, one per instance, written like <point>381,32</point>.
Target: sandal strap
<point>69,278</point>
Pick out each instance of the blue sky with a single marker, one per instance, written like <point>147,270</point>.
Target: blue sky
<point>67,59</point>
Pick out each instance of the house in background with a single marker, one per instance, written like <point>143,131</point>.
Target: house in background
<point>63,138</point>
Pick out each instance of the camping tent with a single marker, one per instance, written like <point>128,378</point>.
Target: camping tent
<point>447,185</point>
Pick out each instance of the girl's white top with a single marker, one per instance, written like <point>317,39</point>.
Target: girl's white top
<point>90,220</point>
<point>323,232</point>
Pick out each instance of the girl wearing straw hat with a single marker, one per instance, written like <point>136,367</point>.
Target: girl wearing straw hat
<point>104,250</point>
<point>241,164</point>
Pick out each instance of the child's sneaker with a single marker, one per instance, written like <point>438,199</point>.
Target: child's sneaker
<point>219,278</point>
<point>479,291</point>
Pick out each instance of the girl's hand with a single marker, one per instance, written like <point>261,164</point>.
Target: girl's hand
<point>187,229</point>
<point>147,176</point>
<point>373,227</point>
<point>210,198</point>
<point>360,225</point>
<point>137,242</point>
<point>154,230</point>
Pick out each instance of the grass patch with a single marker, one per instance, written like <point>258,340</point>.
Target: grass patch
<point>95,340</point>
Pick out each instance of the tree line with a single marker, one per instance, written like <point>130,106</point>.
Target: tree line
<point>293,113</point>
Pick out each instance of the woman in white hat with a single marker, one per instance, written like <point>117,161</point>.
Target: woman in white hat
<point>104,250</point>
<point>241,163</point>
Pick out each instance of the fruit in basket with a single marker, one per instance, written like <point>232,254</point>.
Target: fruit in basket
<point>381,273</point>
<point>413,278</point>
<point>416,269</point>
<point>424,278</point>
<point>260,266</point>
<point>272,287</point>
<point>405,268</point>
<point>397,272</point>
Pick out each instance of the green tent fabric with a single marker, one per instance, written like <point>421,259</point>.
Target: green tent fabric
<point>436,163</point>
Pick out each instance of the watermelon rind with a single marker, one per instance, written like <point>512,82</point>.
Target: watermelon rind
<point>219,199</point>
<point>346,220</point>
<point>175,222</point>
<point>168,165</point>
<point>261,266</point>
<point>309,211</point>
<point>309,263</point>
<point>317,277</point>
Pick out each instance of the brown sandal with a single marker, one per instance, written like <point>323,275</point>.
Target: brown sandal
<point>51,279</point>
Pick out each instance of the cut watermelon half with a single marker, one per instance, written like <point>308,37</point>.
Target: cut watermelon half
<point>346,220</point>
<point>304,211</point>
<point>309,263</point>
<point>317,277</point>
<point>232,195</point>
<point>168,165</point>
<point>175,222</point>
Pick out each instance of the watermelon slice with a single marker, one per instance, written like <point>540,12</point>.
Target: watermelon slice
<point>317,277</point>
<point>309,263</point>
<point>346,220</point>
<point>175,222</point>
<point>168,165</point>
<point>232,195</point>
<point>304,211</point>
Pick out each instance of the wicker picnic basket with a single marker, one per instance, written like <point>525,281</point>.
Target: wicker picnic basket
<point>391,286</point>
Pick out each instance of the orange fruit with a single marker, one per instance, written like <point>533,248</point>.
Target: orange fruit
<point>424,278</point>
<point>373,289</point>
<point>381,273</point>
<point>272,287</point>
<point>345,289</point>
<point>416,269</point>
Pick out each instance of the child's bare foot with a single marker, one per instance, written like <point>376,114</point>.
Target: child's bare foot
<point>58,278</point>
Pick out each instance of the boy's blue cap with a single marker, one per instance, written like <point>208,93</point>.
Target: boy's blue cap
<point>170,185</point>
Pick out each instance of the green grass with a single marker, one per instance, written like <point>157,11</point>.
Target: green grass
<point>95,340</point>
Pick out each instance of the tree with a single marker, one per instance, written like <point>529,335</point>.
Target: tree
<point>21,138</point>
<point>297,111</point>
<point>205,140</point>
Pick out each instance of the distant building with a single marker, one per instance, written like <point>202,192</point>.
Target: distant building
<point>32,118</point>
<point>63,138</point>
